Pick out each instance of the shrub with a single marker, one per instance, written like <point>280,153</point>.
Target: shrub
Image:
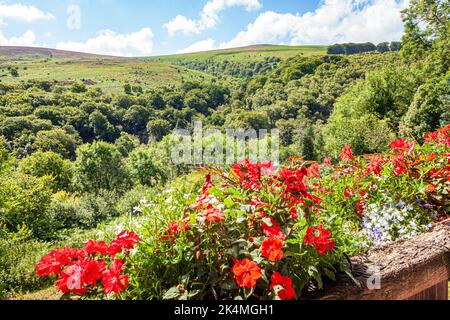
<point>18,257</point>
<point>99,166</point>
<point>41,164</point>
<point>144,169</point>
<point>131,200</point>
<point>23,201</point>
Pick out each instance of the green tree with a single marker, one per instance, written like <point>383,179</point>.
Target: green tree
<point>126,143</point>
<point>78,88</point>
<point>101,127</point>
<point>57,140</point>
<point>427,33</point>
<point>136,119</point>
<point>99,166</point>
<point>127,89</point>
<point>143,169</point>
<point>383,47</point>
<point>41,164</point>
<point>158,128</point>
<point>427,111</point>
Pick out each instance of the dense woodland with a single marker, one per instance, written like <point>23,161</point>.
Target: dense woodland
<point>72,157</point>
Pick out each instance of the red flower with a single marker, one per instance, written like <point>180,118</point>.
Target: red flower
<point>246,273</point>
<point>71,280</point>
<point>375,166</point>
<point>313,170</point>
<point>52,263</point>
<point>284,284</point>
<point>94,247</point>
<point>400,165</point>
<point>347,154</point>
<point>402,146</point>
<point>319,238</point>
<point>271,249</point>
<point>360,206</point>
<point>274,230</point>
<point>249,174</point>
<point>92,271</point>
<point>295,189</point>
<point>213,215</point>
<point>125,241</point>
<point>113,280</point>
<point>327,161</point>
<point>348,193</point>
<point>432,137</point>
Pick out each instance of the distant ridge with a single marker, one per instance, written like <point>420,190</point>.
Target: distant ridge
<point>42,53</point>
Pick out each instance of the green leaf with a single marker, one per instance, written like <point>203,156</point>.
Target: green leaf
<point>172,294</point>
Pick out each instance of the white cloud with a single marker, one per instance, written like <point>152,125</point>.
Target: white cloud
<point>209,16</point>
<point>27,39</point>
<point>334,21</point>
<point>204,45</point>
<point>22,12</point>
<point>111,43</point>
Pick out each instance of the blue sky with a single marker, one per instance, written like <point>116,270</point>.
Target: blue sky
<point>140,28</point>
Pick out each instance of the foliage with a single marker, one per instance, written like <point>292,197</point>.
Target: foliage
<point>41,164</point>
<point>143,169</point>
<point>99,166</point>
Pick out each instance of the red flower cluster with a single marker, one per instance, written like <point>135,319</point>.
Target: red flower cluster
<point>80,271</point>
<point>375,166</point>
<point>319,238</point>
<point>272,249</point>
<point>282,286</point>
<point>401,146</point>
<point>213,215</point>
<point>175,228</point>
<point>246,273</point>
<point>441,136</point>
<point>249,174</point>
<point>295,189</point>
<point>347,154</point>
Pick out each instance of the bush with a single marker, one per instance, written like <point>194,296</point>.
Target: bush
<point>144,169</point>
<point>99,166</point>
<point>18,258</point>
<point>98,207</point>
<point>23,201</point>
<point>41,164</point>
<point>131,200</point>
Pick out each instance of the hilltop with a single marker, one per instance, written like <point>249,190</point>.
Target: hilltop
<point>253,53</point>
<point>35,53</point>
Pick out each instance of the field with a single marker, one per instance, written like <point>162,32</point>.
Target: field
<point>245,54</point>
<point>112,73</point>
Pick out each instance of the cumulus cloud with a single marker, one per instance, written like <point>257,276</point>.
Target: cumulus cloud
<point>21,13</point>
<point>204,45</point>
<point>25,13</point>
<point>109,42</point>
<point>27,39</point>
<point>209,16</point>
<point>334,21</point>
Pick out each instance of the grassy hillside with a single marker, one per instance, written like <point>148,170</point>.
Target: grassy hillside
<point>12,53</point>
<point>244,54</point>
<point>105,72</point>
<point>112,73</point>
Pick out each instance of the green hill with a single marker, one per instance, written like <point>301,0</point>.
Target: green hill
<point>249,53</point>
